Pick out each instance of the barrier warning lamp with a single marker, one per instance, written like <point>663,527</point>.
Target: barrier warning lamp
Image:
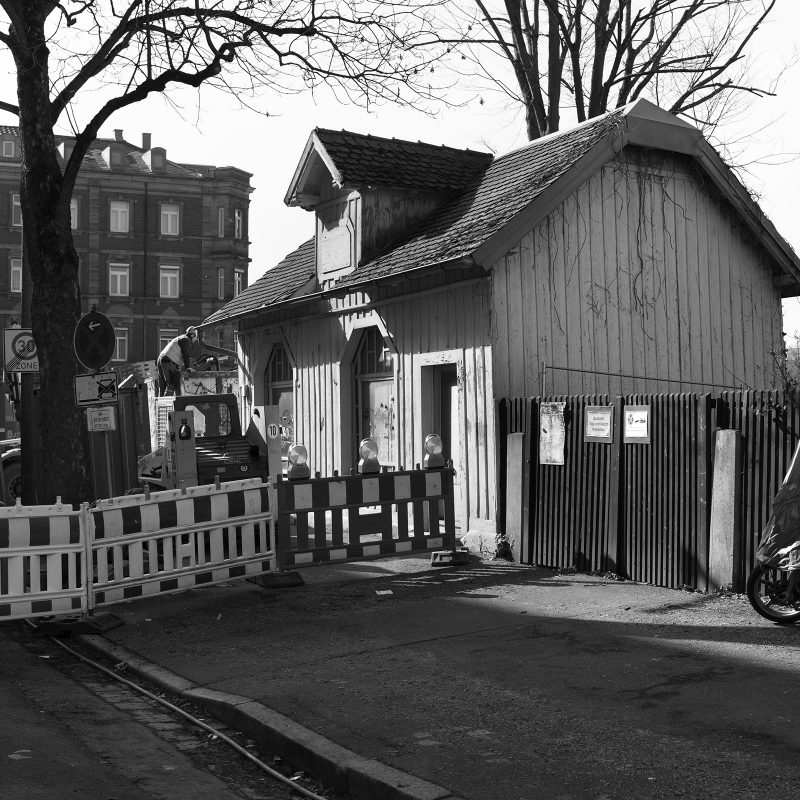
<point>433,452</point>
<point>368,450</point>
<point>298,463</point>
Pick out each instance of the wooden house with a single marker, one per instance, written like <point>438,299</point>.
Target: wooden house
<point>619,256</point>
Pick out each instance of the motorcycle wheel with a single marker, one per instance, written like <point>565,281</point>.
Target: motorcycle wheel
<point>765,587</point>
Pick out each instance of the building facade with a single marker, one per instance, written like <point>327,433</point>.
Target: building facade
<point>618,257</point>
<point>162,244</point>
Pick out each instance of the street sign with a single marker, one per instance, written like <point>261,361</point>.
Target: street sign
<point>101,419</point>
<point>20,353</point>
<point>273,430</point>
<point>99,388</point>
<point>94,340</point>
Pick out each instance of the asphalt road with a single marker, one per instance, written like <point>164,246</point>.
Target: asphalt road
<point>503,682</point>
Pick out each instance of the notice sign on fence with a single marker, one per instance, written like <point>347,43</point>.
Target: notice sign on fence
<point>552,434</point>
<point>637,424</point>
<point>599,424</point>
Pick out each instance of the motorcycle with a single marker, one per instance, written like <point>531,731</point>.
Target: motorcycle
<point>773,586</point>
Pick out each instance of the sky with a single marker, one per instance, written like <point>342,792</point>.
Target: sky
<point>270,146</point>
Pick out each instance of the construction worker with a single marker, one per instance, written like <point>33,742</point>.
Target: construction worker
<point>170,359</point>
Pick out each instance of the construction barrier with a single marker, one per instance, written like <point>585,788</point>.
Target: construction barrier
<point>180,538</point>
<point>55,560</point>
<point>42,556</point>
<point>360,516</point>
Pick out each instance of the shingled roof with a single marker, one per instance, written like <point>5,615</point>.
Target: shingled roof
<point>516,190</point>
<point>375,161</point>
<point>276,284</point>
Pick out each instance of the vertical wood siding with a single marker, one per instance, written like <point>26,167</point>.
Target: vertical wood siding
<point>452,319</point>
<point>640,272</point>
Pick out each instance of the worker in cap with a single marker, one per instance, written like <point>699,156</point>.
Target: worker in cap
<point>174,357</point>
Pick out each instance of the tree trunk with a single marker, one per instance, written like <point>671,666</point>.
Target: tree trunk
<point>53,272</point>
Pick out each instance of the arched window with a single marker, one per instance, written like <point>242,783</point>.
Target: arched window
<point>280,392</point>
<point>373,370</point>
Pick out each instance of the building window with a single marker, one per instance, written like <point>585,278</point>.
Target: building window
<point>121,350</point>
<point>8,149</point>
<point>16,211</point>
<point>73,213</point>
<point>15,280</point>
<point>221,283</point>
<point>169,281</point>
<point>238,282</point>
<point>221,222</point>
<point>221,337</point>
<point>280,392</point>
<point>374,394</point>
<point>119,280</point>
<point>119,216</point>
<point>237,223</point>
<point>170,219</point>
<point>165,336</point>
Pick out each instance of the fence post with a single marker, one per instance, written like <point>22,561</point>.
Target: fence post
<point>614,559</point>
<point>85,528</point>
<point>725,529</point>
<point>516,497</point>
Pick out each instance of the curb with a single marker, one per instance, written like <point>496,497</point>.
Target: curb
<point>335,766</point>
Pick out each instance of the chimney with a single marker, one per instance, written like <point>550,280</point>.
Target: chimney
<point>146,141</point>
<point>118,134</point>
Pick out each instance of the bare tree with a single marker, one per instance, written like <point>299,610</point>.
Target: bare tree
<point>123,52</point>
<point>591,56</point>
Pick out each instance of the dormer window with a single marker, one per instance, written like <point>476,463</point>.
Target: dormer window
<point>9,148</point>
<point>116,157</point>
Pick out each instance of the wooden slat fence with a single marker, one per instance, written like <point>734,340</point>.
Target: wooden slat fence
<point>640,510</point>
<point>770,426</point>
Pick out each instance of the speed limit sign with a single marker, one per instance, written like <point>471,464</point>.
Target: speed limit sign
<point>20,351</point>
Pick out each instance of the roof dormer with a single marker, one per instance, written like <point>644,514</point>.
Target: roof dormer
<point>367,191</point>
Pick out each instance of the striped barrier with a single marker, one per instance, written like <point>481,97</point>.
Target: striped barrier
<point>321,520</point>
<point>42,552</point>
<point>132,546</point>
<point>180,538</point>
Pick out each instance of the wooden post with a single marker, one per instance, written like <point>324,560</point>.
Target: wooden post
<point>725,529</point>
<point>614,558</point>
<point>517,492</point>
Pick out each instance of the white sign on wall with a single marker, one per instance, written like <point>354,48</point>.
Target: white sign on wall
<point>637,424</point>
<point>552,433</point>
<point>101,419</point>
<point>599,424</point>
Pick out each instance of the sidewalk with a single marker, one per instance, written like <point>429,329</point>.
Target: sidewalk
<point>493,681</point>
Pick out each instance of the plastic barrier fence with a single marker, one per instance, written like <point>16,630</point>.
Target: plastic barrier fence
<point>132,546</point>
<point>42,552</point>
<point>362,516</point>
<point>178,539</point>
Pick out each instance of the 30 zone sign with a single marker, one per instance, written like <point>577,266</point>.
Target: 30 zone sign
<point>20,351</point>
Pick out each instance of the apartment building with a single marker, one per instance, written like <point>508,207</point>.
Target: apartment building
<point>162,244</point>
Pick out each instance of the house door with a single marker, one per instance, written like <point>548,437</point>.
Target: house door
<point>440,412</point>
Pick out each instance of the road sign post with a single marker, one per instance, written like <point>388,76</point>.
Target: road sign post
<point>19,351</point>
<point>94,340</point>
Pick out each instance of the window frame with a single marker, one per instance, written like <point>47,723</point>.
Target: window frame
<point>168,271</point>
<point>238,223</point>
<point>74,217</point>
<point>13,148</point>
<point>221,222</point>
<point>165,336</point>
<point>120,335</point>
<point>16,210</point>
<point>221,283</point>
<point>168,216</point>
<point>238,282</point>
<point>118,267</point>
<point>114,213</point>
<point>15,268</point>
